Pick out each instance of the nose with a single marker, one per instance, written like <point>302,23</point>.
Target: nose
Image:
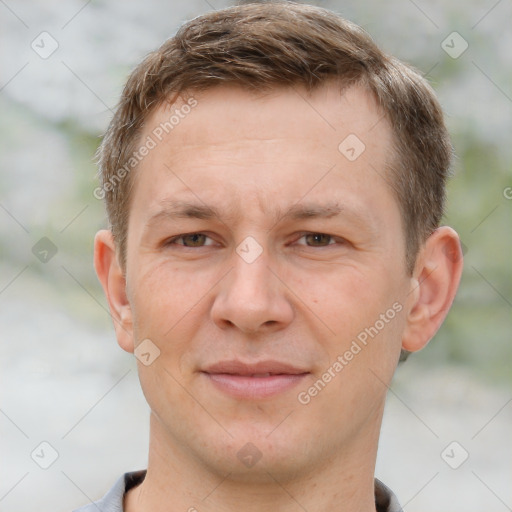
<point>252,297</point>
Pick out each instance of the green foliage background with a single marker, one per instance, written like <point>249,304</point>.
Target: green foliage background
<point>475,92</point>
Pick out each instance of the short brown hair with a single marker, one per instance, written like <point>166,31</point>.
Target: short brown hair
<point>262,46</point>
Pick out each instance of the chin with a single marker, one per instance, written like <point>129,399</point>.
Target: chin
<point>258,458</point>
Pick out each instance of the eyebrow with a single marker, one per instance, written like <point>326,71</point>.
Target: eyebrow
<point>175,209</point>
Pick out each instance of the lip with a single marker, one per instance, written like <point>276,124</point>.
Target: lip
<point>255,380</point>
<point>236,367</point>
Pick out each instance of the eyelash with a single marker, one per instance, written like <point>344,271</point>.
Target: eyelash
<point>302,235</point>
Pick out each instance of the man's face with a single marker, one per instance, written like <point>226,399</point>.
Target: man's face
<point>252,290</point>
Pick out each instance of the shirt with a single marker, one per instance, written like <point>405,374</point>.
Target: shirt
<point>385,500</point>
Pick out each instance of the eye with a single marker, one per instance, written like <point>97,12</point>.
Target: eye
<point>189,240</point>
<point>192,240</point>
<point>317,239</point>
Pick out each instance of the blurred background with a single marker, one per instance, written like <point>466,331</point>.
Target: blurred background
<point>72,416</point>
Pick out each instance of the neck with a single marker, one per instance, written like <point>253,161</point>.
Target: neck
<point>177,481</point>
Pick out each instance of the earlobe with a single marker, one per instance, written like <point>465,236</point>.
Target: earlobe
<point>113,282</point>
<point>434,285</point>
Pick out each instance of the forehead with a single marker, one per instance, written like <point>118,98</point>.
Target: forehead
<point>329,111</point>
<point>229,143</point>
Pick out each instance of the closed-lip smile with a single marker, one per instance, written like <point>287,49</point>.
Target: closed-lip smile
<point>258,380</point>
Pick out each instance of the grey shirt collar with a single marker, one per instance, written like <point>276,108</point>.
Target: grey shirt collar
<point>385,500</point>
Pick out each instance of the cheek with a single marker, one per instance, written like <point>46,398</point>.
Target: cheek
<point>362,361</point>
<point>366,316</point>
<point>165,300</point>
<point>166,292</point>
<point>344,298</point>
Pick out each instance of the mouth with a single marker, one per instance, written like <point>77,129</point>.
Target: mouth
<point>254,381</point>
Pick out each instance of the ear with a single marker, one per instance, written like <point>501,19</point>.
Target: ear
<point>113,282</point>
<point>435,282</point>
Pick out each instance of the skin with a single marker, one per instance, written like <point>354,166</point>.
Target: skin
<point>303,300</point>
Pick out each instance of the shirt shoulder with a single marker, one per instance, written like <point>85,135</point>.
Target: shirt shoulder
<point>385,500</point>
<point>113,500</point>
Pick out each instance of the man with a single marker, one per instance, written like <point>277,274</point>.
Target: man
<point>274,185</point>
